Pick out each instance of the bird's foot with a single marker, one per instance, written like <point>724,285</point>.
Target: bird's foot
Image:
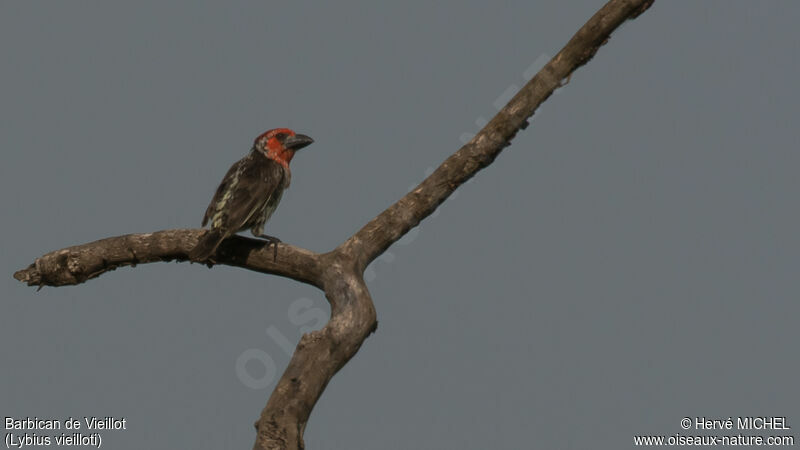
<point>271,241</point>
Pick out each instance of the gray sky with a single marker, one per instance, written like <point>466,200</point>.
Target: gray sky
<point>631,260</point>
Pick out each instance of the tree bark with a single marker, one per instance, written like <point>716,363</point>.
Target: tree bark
<point>339,273</point>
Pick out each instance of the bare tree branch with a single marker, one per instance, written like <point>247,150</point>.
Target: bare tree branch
<point>393,223</point>
<point>318,356</point>
<point>75,265</point>
<point>339,273</point>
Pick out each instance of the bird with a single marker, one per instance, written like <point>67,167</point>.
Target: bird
<point>250,191</point>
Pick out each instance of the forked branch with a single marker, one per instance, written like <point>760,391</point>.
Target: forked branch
<point>321,354</point>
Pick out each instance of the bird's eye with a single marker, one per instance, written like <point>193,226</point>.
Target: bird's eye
<point>280,136</point>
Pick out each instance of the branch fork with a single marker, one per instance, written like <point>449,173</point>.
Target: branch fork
<point>339,273</point>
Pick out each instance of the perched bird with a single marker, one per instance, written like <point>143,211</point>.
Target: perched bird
<point>250,191</point>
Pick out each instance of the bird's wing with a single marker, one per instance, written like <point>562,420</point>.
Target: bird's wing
<point>229,177</point>
<point>249,187</point>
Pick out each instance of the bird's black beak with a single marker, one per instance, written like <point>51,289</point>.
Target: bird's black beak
<point>297,142</point>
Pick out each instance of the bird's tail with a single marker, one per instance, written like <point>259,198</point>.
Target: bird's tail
<point>207,245</point>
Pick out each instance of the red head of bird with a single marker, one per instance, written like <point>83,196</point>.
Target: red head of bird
<point>279,144</point>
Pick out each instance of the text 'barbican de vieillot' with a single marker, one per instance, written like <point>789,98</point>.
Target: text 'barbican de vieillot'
<point>91,423</point>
